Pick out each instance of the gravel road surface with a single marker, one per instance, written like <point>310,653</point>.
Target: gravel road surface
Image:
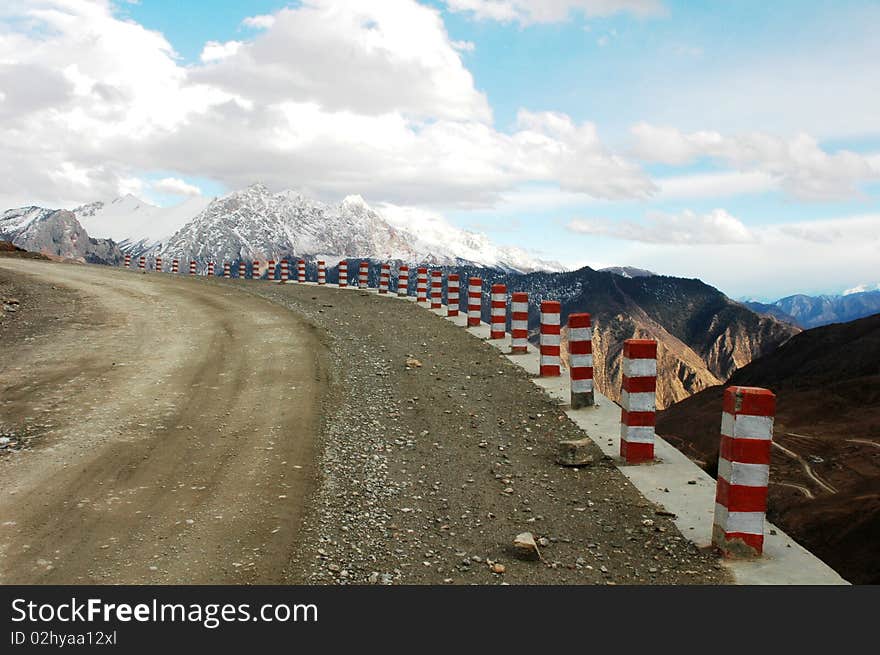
<point>165,429</point>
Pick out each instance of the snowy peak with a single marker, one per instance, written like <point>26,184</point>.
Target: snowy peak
<point>255,223</point>
<point>134,223</point>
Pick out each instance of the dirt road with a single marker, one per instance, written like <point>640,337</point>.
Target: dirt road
<point>168,426</point>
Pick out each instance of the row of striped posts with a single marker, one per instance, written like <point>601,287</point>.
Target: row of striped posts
<point>284,268</point>
<point>747,417</point>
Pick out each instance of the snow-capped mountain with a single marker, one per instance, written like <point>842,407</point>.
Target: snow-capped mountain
<point>13,221</point>
<point>257,224</point>
<point>134,224</point>
<point>628,271</point>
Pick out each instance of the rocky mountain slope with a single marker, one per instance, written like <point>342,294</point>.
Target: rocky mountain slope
<point>815,311</point>
<point>703,336</point>
<point>56,233</point>
<point>825,489</point>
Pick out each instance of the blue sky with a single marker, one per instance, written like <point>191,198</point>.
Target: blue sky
<point>735,142</point>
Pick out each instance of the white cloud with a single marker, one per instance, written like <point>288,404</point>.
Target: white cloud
<point>216,51</point>
<point>332,98</point>
<point>176,186</point>
<point>526,12</point>
<point>686,228</point>
<point>803,168</point>
<point>262,22</point>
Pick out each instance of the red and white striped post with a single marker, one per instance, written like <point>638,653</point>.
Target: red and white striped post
<point>210,269</point>
<point>301,271</point>
<point>519,322</point>
<point>452,294</point>
<point>255,270</point>
<point>192,268</point>
<point>364,276</point>
<point>638,400</point>
<point>271,269</point>
<point>422,285</point>
<point>322,272</point>
<point>384,278</point>
<point>175,266</point>
<point>436,289</point>
<point>498,311</point>
<point>550,338</point>
<point>127,260</point>
<point>475,301</point>
<point>580,360</point>
<point>403,281</point>
<point>242,270</point>
<point>285,270</point>
<point>158,264</point>
<point>142,263</point>
<point>743,471</point>
<point>343,273</point>
<point>227,270</point>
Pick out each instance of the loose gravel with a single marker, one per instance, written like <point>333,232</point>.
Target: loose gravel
<point>436,451</point>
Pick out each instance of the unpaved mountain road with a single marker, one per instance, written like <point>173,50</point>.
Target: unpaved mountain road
<point>171,399</point>
<point>170,426</point>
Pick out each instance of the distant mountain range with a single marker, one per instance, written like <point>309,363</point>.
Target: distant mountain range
<point>825,478</point>
<point>815,311</point>
<point>257,224</point>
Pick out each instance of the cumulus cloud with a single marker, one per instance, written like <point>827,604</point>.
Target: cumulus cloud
<point>215,51</point>
<point>331,98</point>
<point>802,167</point>
<point>176,186</point>
<point>685,228</point>
<point>526,12</point>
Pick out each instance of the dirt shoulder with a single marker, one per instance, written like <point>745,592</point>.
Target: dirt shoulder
<point>428,472</point>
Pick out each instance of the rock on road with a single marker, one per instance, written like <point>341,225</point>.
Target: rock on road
<point>173,426</point>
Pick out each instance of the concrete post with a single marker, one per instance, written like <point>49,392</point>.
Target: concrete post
<point>255,270</point>
<point>452,294</point>
<point>285,270</point>
<point>422,285</point>
<point>322,272</point>
<point>551,311</point>
<point>403,281</point>
<point>127,260</point>
<point>743,471</point>
<point>242,270</point>
<point>519,322</point>
<point>343,273</point>
<point>270,271</point>
<point>227,270</point>
<point>301,271</point>
<point>175,266</point>
<point>475,301</point>
<point>436,289</point>
<point>210,269</point>
<point>384,278</point>
<point>142,263</point>
<point>364,275</point>
<point>158,264</point>
<point>192,267</point>
<point>580,360</point>
<point>638,400</point>
<point>498,311</point>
